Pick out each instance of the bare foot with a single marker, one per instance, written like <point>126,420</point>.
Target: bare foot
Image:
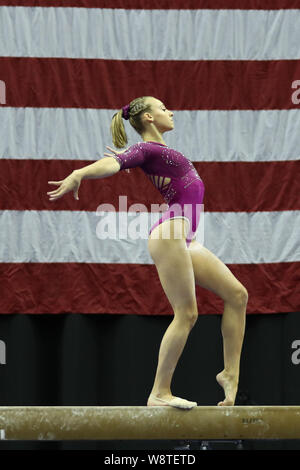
<point>230,386</point>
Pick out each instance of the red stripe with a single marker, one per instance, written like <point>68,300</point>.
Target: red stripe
<point>124,289</point>
<point>160,4</point>
<point>95,83</point>
<point>229,186</point>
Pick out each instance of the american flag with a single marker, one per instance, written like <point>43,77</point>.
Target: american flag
<point>230,72</point>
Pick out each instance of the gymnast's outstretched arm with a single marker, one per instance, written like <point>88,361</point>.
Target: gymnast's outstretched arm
<point>107,166</point>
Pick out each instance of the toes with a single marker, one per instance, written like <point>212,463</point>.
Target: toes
<point>225,403</point>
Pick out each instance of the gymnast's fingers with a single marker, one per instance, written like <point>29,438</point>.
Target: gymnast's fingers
<point>115,151</point>
<point>55,191</point>
<point>57,195</point>
<point>54,198</point>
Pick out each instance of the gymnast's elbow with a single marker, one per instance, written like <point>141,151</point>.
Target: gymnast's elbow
<point>107,166</point>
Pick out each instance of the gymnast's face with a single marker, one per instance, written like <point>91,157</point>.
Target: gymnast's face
<point>159,115</point>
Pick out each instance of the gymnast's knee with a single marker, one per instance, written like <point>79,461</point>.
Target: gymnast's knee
<point>240,298</point>
<point>186,315</point>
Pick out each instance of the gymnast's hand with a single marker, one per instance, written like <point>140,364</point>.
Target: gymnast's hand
<point>116,153</point>
<point>71,182</point>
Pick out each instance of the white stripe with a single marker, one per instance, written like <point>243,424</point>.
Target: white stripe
<point>66,236</point>
<point>29,133</point>
<point>149,34</point>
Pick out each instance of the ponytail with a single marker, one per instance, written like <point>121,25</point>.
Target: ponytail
<point>118,133</point>
<point>136,109</point>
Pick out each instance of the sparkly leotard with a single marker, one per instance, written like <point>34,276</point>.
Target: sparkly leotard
<point>173,175</point>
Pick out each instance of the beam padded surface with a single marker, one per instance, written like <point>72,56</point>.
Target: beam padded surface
<point>142,422</point>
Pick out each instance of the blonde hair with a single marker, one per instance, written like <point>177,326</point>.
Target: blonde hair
<point>137,107</point>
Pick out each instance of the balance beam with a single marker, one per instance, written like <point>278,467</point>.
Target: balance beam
<point>144,423</point>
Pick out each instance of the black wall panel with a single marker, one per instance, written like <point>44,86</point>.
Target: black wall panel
<point>111,360</point>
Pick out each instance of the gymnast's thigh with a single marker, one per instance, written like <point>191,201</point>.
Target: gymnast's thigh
<point>212,274</point>
<point>174,266</point>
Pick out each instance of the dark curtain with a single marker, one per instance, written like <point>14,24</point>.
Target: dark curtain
<point>111,360</point>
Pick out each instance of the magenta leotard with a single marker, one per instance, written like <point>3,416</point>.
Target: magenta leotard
<point>183,193</point>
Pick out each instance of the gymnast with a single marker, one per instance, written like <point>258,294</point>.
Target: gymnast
<point>181,261</point>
